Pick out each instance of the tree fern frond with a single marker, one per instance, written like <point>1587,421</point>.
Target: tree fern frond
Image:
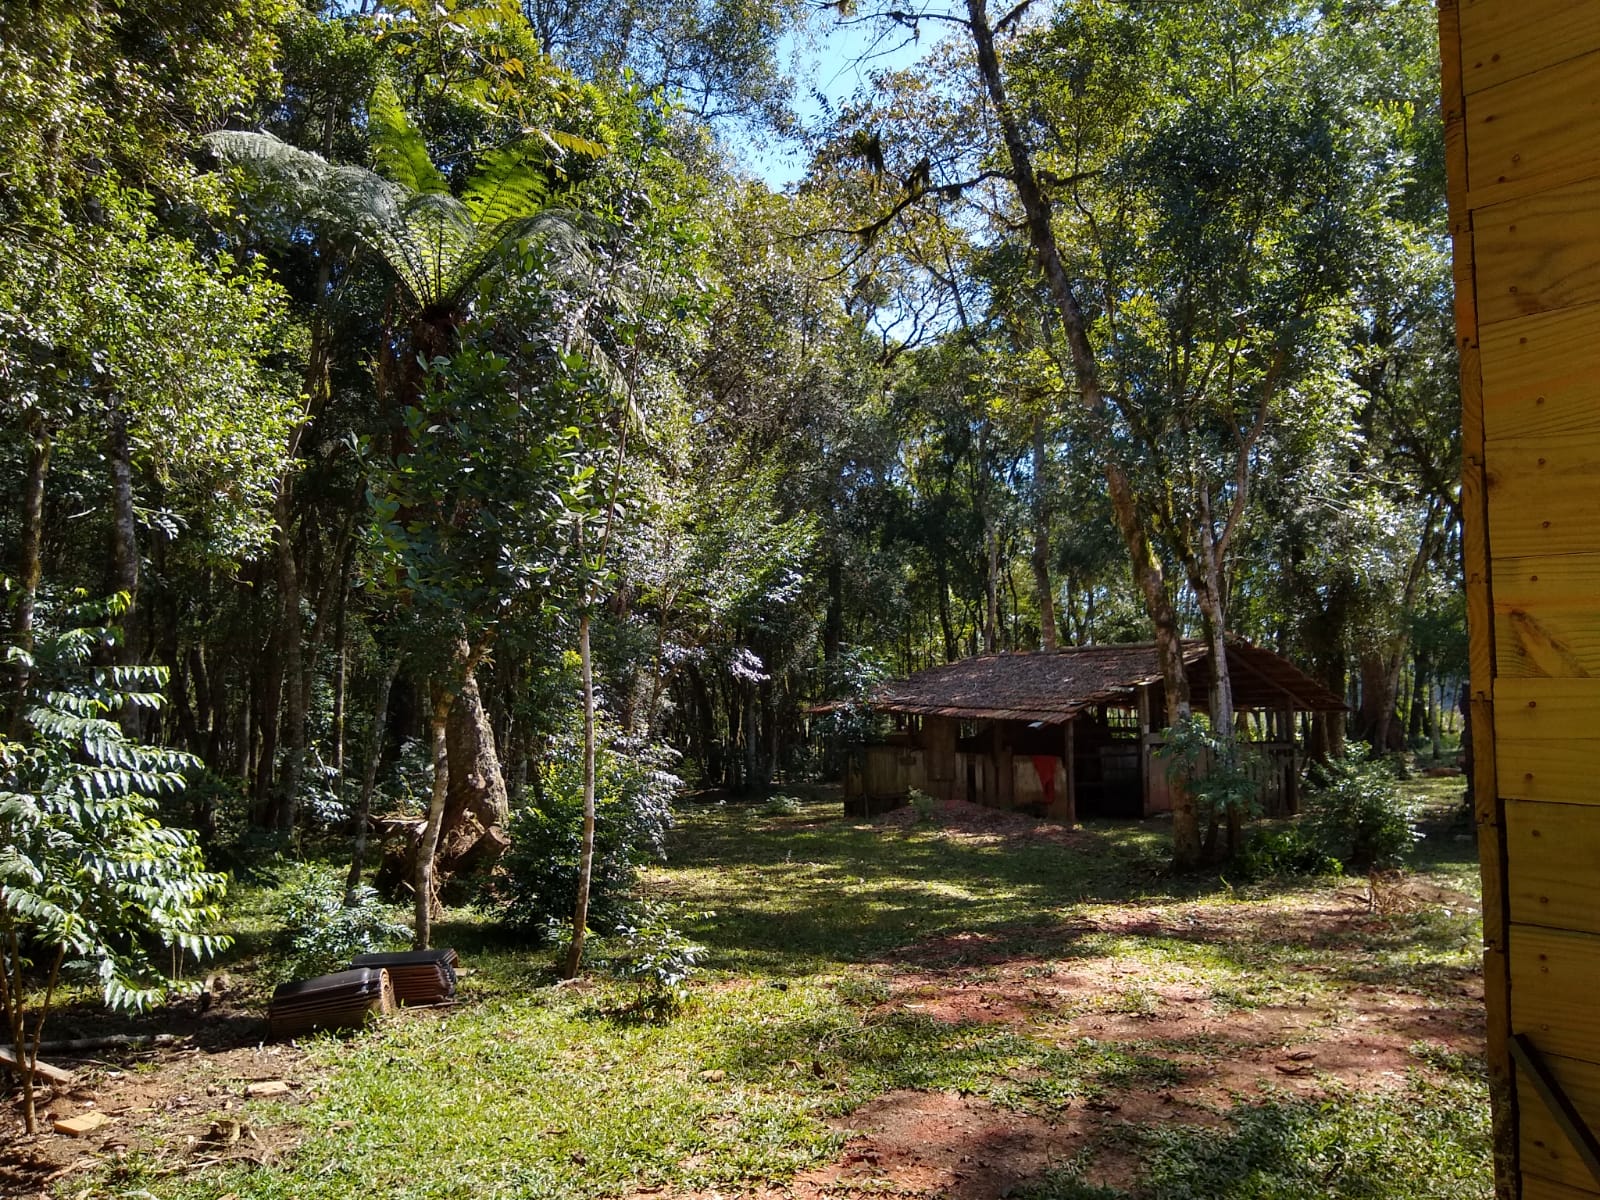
<point>446,242</point>
<point>574,144</point>
<point>397,145</point>
<point>508,185</point>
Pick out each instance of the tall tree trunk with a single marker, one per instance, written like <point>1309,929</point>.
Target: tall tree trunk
<point>428,843</point>
<point>1379,677</point>
<point>1148,576</point>
<point>291,655</point>
<point>942,579</point>
<point>1417,713</point>
<point>1435,703</point>
<point>991,589</point>
<point>369,778</point>
<point>706,713</point>
<point>124,529</point>
<point>1041,541</point>
<point>580,911</point>
<point>833,625</point>
<point>478,805</point>
<point>302,666</point>
<point>341,678</point>
<point>31,565</point>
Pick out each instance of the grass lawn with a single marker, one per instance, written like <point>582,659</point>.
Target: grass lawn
<point>968,1005</point>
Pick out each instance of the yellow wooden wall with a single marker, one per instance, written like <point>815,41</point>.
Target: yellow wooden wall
<point>1522,113</point>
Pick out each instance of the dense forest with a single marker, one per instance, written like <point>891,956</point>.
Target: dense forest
<point>401,392</point>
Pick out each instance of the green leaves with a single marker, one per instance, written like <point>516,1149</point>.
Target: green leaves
<point>87,868</point>
<point>397,147</point>
<point>439,245</point>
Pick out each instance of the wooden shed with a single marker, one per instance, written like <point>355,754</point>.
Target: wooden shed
<point>1073,733</point>
<point>1522,128</point>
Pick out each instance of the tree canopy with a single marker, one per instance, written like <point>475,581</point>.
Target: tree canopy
<point>423,376</point>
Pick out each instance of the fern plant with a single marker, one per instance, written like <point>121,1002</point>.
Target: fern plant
<point>438,244</point>
<point>89,879</point>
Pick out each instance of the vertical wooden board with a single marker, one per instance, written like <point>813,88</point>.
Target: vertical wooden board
<point>939,746</point>
<point>1554,852</point>
<point>1538,254</point>
<point>1542,124</point>
<point>1539,375</point>
<point>1544,612</point>
<point>1544,496</point>
<point>1545,1149</point>
<point>1555,990</point>
<point>1500,41</point>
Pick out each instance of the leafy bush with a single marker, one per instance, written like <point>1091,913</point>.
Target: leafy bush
<point>1273,853</point>
<point>537,879</point>
<point>922,804</point>
<point>655,958</point>
<point>1217,769</point>
<point>321,933</point>
<point>781,806</point>
<point>88,875</point>
<point>1356,812</point>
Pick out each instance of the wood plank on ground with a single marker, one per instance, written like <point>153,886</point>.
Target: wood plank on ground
<point>42,1070</point>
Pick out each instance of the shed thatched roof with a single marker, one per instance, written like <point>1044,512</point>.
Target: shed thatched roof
<point>1053,688</point>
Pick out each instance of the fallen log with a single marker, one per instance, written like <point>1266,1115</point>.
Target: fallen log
<point>41,1070</point>
<point>113,1041</point>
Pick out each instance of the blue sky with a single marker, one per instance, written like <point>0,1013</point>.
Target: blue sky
<point>834,60</point>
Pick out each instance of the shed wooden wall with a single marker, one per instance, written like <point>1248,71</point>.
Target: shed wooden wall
<point>1522,113</point>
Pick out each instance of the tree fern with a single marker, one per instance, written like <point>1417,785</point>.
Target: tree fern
<point>438,245</point>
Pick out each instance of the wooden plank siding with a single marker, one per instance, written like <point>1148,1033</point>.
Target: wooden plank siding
<point>1521,94</point>
<point>1545,1150</point>
<point>1510,40</point>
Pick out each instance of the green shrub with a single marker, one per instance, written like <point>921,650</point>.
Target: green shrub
<point>537,879</point>
<point>781,806</point>
<point>1216,769</point>
<point>1274,853</point>
<point>655,957</point>
<point>922,804</point>
<point>90,880</point>
<point>1357,813</point>
<point>321,933</point>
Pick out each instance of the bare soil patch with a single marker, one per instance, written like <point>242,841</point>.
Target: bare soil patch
<point>1342,1034</point>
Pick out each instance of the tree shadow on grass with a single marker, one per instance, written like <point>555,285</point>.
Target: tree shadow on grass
<point>1422,1143</point>
<point>799,895</point>
<point>792,895</point>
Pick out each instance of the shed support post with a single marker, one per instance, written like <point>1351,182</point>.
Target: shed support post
<point>1144,750</point>
<point>1071,764</point>
<point>1291,779</point>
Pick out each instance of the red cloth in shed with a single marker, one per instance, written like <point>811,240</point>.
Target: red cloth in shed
<point>1044,766</point>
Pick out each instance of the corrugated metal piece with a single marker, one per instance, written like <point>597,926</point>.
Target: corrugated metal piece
<point>419,976</point>
<point>344,1000</point>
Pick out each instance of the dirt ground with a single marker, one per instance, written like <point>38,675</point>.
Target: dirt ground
<point>162,1100</point>
<point>920,1144</point>
<point>949,1145</point>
